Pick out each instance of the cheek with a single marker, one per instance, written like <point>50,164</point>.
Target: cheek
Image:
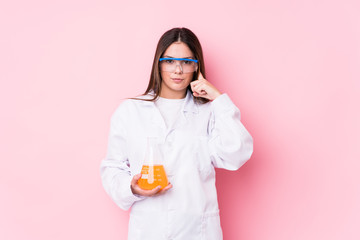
<point>165,76</point>
<point>189,78</point>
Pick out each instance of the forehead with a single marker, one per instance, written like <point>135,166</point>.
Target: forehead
<point>178,50</point>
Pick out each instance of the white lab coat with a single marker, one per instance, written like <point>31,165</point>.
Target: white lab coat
<point>203,137</point>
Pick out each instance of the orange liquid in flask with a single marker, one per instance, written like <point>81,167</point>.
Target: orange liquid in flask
<point>152,176</point>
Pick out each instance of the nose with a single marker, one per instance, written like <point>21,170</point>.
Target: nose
<point>178,69</point>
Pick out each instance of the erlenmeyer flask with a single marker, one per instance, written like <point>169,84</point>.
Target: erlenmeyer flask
<point>153,172</point>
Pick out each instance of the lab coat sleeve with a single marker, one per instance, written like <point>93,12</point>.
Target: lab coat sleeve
<point>115,169</point>
<point>230,144</point>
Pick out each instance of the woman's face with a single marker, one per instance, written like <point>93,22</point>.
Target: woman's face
<point>174,84</point>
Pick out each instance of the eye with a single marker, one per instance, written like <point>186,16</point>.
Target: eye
<point>169,61</point>
<point>187,62</point>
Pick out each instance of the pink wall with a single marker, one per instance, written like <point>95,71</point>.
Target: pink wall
<point>292,67</point>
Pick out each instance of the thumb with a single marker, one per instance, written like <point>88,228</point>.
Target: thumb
<point>135,178</point>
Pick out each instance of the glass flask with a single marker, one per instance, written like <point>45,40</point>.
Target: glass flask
<point>153,171</point>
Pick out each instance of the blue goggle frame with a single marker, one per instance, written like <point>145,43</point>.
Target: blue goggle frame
<point>185,59</point>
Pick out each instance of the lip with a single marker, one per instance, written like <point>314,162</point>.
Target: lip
<point>177,80</point>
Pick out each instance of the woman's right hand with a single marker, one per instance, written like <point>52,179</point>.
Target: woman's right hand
<point>136,189</point>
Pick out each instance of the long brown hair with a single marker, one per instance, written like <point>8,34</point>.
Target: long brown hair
<point>175,35</point>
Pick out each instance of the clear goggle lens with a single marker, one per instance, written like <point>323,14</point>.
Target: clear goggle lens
<point>186,65</point>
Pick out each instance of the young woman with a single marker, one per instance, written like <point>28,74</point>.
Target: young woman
<point>200,129</point>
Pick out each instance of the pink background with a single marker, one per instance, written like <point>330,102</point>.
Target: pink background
<point>292,67</point>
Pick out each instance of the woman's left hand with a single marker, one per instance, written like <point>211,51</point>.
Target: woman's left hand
<point>202,88</point>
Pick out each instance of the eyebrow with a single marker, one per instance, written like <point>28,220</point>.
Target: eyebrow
<point>167,56</point>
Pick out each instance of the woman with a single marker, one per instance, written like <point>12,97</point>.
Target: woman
<point>200,129</point>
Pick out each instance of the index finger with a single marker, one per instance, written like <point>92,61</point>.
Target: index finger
<point>200,76</point>
<point>165,189</point>
<point>152,191</point>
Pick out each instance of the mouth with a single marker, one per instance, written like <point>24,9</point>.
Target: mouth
<point>177,80</point>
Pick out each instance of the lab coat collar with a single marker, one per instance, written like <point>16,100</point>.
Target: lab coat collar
<point>190,105</point>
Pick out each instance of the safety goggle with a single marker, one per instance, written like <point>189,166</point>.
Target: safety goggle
<point>187,65</point>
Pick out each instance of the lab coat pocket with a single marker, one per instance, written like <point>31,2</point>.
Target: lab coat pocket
<point>202,154</point>
<point>210,226</point>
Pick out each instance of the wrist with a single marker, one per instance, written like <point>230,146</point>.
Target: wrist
<point>215,95</point>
